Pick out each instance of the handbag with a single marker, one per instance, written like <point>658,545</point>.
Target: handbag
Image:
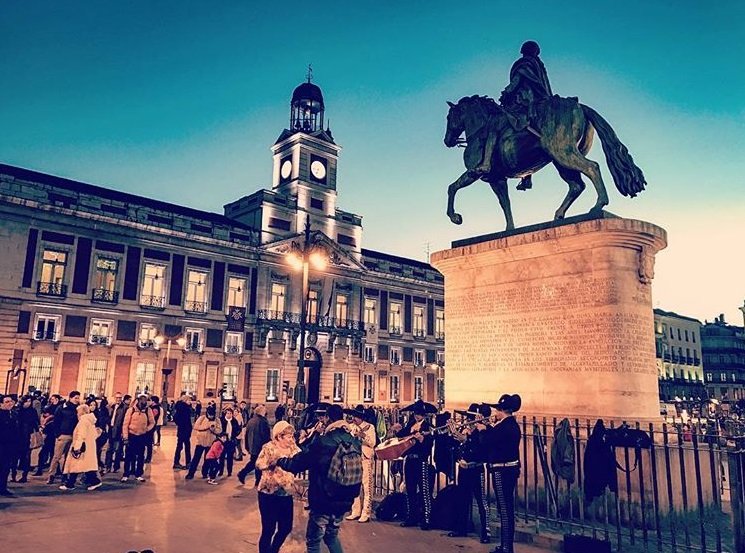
<point>238,453</point>
<point>77,453</point>
<point>627,437</point>
<point>36,439</point>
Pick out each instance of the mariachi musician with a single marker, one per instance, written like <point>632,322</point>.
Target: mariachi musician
<point>416,465</point>
<point>313,423</point>
<point>472,483</point>
<point>501,442</point>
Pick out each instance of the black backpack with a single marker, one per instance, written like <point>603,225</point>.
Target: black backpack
<point>627,437</point>
<point>393,507</point>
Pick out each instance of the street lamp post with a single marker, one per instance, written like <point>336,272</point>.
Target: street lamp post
<point>300,258</point>
<point>166,370</point>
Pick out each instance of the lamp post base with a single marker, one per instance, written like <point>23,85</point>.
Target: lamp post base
<point>300,393</point>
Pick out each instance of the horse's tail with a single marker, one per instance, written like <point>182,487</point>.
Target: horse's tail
<point>628,177</point>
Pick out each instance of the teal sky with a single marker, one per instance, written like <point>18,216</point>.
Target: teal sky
<point>181,101</point>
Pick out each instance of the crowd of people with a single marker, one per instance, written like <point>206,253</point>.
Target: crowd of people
<point>333,447</point>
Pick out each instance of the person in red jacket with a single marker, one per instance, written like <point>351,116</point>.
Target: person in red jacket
<point>212,459</point>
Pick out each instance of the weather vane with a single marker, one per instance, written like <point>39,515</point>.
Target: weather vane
<point>310,72</point>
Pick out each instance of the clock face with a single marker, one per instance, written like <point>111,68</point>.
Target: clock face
<point>318,169</point>
<point>286,169</point>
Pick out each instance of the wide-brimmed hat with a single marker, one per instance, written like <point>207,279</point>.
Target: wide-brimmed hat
<point>358,411</point>
<point>321,408</point>
<point>508,402</point>
<point>420,407</point>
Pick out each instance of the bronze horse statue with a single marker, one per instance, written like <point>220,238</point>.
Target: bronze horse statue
<point>561,133</point>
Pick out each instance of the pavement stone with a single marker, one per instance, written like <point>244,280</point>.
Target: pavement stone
<point>170,515</point>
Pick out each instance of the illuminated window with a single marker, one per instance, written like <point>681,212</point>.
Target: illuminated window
<point>342,309</point>
<point>370,354</point>
<point>418,387</point>
<point>236,292</point>
<point>101,332</point>
<point>196,292</point>
<point>96,373</point>
<point>393,383</point>
<point>40,373</point>
<point>418,357</point>
<point>368,387</point>
<point>370,312</point>
<point>47,327</point>
<point>395,355</point>
<point>394,318</point>
<point>272,384</point>
<point>338,394</point>
<point>419,329</point>
<point>145,377</point>
<point>189,378</point>
<point>312,307</point>
<point>153,286</point>
<point>230,381</point>
<point>193,339</point>
<point>233,343</point>
<point>279,292</point>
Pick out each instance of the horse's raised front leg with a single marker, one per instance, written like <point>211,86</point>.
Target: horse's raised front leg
<point>464,180</point>
<point>574,179</point>
<point>500,189</point>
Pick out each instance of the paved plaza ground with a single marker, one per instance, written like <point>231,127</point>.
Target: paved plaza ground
<point>169,515</point>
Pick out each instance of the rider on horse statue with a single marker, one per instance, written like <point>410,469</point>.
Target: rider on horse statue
<point>529,85</point>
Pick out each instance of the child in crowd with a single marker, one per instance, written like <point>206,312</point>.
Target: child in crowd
<point>212,459</point>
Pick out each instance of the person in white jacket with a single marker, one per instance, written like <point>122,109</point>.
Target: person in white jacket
<point>365,432</point>
<point>81,458</point>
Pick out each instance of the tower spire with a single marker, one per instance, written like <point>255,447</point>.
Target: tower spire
<point>309,74</point>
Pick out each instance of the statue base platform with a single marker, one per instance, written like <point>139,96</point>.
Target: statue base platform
<point>560,313</point>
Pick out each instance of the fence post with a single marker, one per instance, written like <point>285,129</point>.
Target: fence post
<point>735,462</point>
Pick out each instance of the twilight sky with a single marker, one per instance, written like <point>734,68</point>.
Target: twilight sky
<point>181,100</point>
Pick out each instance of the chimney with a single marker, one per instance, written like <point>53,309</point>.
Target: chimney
<point>721,318</point>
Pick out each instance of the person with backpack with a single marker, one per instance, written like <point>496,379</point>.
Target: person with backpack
<point>365,432</point>
<point>333,460</point>
<point>276,488</point>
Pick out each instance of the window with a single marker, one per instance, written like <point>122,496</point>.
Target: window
<point>394,319</point>
<point>272,384</point>
<point>236,292</point>
<point>47,327</point>
<point>312,307</point>
<point>440,357</point>
<point>338,394</point>
<point>693,337</point>
<point>147,336</point>
<point>193,339</point>
<point>439,324</point>
<point>671,333</point>
<point>679,338</point>
<point>370,316</point>
<point>144,377</point>
<point>101,332</point>
<point>686,334</point>
<point>419,331</point>
<point>230,382</point>
<point>393,380</point>
<point>278,299</point>
<point>723,377</point>
<point>368,391</point>
<point>395,355</point>
<point>189,378</point>
<point>441,390</point>
<point>104,281</point>
<point>40,373</point>
<point>418,357</point>
<point>95,377</point>
<point>370,354</point>
<point>233,343</point>
<point>734,377</point>
<point>342,310</point>
<point>153,286</point>
<point>418,387</point>
<point>196,292</point>
<point>53,265</point>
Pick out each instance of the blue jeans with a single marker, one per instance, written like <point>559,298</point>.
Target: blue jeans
<point>323,528</point>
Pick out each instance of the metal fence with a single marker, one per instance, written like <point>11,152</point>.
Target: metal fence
<point>683,494</point>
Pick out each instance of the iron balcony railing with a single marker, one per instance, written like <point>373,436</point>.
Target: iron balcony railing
<point>419,334</point>
<point>233,350</point>
<point>49,335</point>
<point>317,322</point>
<point>147,344</point>
<point>394,330</point>
<point>51,289</point>
<point>440,336</point>
<point>195,306</point>
<point>197,348</point>
<point>153,302</point>
<point>100,339</point>
<point>102,295</point>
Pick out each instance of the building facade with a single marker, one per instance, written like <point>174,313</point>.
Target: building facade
<point>679,358</point>
<point>724,360</point>
<point>105,292</point>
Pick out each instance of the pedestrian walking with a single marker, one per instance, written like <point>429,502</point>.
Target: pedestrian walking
<point>276,488</point>
<point>153,437</point>
<point>138,422</point>
<point>46,424</point>
<point>206,428</point>
<point>66,418</point>
<point>258,433</point>
<point>28,423</point>
<point>182,418</point>
<point>82,457</point>
<point>9,441</point>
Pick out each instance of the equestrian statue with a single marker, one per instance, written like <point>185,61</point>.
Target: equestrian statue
<point>530,128</point>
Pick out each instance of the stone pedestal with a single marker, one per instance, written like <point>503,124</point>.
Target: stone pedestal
<point>559,313</point>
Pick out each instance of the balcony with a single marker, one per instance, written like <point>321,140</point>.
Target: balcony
<point>419,334</point>
<point>193,348</point>
<point>394,330</point>
<point>100,339</point>
<point>153,302</point>
<point>101,295</point>
<point>147,344</point>
<point>51,289</point>
<point>195,306</point>
<point>291,321</point>
<point>45,335</point>
<point>440,336</point>
<point>233,350</point>
<point>282,316</point>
